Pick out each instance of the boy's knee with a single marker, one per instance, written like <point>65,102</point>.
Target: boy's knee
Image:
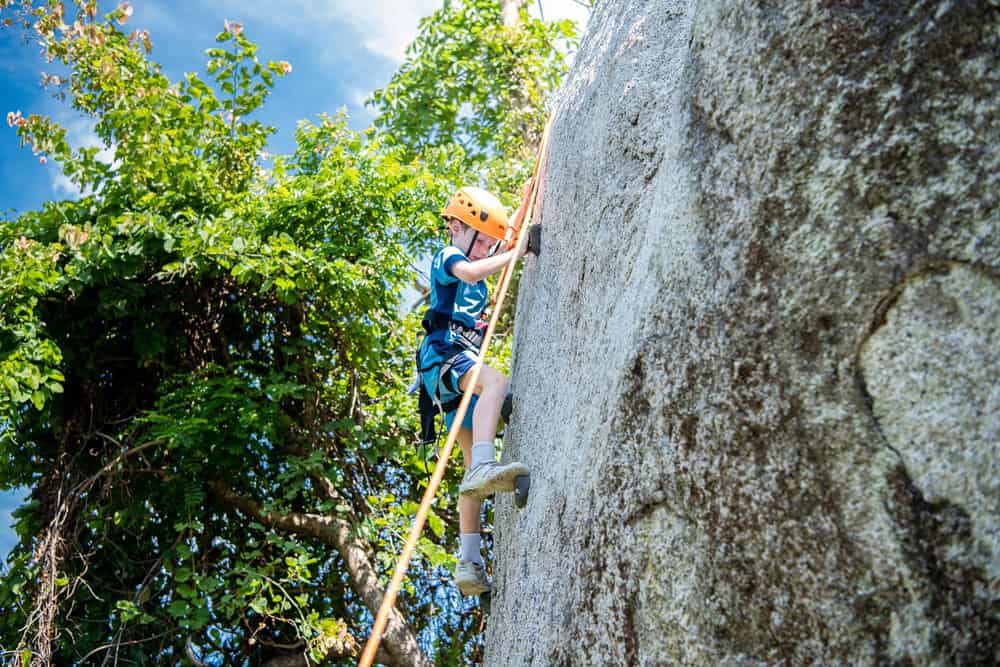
<point>490,379</point>
<point>493,378</point>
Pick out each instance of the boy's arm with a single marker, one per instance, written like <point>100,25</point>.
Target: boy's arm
<point>518,217</point>
<point>473,272</point>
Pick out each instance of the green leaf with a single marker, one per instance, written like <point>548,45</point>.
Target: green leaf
<point>259,605</point>
<point>179,609</point>
<point>208,584</point>
<point>436,524</point>
<point>127,608</point>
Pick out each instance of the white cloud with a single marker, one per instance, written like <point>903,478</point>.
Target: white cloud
<point>363,114</point>
<point>80,134</point>
<point>61,184</point>
<point>153,17</point>
<point>387,26</point>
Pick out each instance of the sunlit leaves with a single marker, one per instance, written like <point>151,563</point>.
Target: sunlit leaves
<point>473,85</point>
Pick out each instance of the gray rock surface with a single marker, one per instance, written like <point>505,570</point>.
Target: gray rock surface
<point>757,365</point>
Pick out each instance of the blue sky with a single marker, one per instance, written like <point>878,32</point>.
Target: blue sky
<point>340,51</point>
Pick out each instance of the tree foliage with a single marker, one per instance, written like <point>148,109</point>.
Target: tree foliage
<point>203,363</point>
<point>477,87</point>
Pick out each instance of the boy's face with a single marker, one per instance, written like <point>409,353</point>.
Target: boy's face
<point>462,235</point>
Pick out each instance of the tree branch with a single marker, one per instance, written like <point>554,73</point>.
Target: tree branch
<point>299,659</point>
<point>118,459</point>
<point>399,640</point>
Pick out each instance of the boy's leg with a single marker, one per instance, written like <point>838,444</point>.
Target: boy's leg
<point>491,386</point>
<point>485,476</point>
<point>470,575</point>
<point>469,509</point>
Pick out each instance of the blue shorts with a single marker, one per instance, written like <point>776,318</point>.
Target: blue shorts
<point>442,383</point>
<point>467,422</point>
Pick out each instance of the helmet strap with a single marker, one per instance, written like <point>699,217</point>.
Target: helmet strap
<point>475,237</point>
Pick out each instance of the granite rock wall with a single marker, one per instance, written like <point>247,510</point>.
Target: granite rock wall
<point>757,366</point>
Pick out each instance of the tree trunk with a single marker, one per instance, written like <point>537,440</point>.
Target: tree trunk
<point>509,12</point>
<point>510,17</point>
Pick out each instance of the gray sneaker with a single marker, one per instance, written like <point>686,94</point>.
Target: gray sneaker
<point>470,577</point>
<point>487,478</point>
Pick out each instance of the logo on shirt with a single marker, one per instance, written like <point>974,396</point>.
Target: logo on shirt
<point>469,302</point>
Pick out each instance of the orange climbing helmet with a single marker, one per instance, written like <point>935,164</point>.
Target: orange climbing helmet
<point>478,209</point>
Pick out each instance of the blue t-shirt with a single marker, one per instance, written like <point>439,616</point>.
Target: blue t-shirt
<point>452,297</point>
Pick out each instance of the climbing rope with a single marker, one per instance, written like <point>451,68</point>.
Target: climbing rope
<point>388,602</point>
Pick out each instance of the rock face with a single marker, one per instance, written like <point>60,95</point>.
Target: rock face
<point>757,365</point>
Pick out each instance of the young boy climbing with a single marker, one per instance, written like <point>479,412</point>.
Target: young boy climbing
<point>477,223</point>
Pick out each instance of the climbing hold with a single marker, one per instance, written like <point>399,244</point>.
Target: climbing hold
<point>535,240</point>
<point>522,484</point>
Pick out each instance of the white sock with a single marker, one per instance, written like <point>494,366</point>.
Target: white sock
<point>483,452</point>
<point>471,544</point>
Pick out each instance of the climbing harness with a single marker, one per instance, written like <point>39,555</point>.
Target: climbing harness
<point>463,338</point>
<point>382,617</point>
<point>466,338</point>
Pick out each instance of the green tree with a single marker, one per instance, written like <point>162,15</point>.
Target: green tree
<point>203,371</point>
<point>477,81</point>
